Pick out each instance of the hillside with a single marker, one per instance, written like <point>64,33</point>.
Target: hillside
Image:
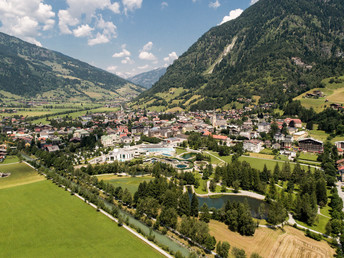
<point>277,49</point>
<point>147,79</point>
<point>31,71</point>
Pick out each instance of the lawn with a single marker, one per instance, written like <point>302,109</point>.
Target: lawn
<point>10,159</point>
<point>180,151</point>
<point>20,174</point>
<point>308,156</point>
<point>273,243</point>
<point>319,225</point>
<point>42,220</point>
<point>132,183</point>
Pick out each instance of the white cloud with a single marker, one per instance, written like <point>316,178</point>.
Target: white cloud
<point>145,53</point>
<point>253,1</point>
<point>232,15</point>
<point>131,5</point>
<point>99,39</point>
<point>171,57</point>
<point>26,19</point>
<point>164,5</point>
<point>143,67</point>
<point>108,33</point>
<point>215,4</point>
<point>147,56</point>
<point>115,8</point>
<point>123,53</point>
<point>83,31</point>
<point>112,69</point>
<point>127,60</point>
<point>148,46</point>
<point>66,20</point>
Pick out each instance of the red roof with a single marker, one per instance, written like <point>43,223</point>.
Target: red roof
<point>220,137</point>
<point>341,168</point>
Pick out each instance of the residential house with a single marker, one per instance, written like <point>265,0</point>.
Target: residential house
<point>311,145</point>
<point>253,146</point>
<point>263,127</point>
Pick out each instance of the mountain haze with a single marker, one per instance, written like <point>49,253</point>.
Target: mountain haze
<point>147,79</point>
<point>31,71</point>
<point>276,49</point>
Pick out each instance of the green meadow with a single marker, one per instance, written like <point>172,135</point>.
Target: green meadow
<point>41,220</point>
<point>131,183</point>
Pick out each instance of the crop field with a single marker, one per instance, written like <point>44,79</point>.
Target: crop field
<point>41,220</point>
<point>20,174</point>
<point>132,183</point>
<point>273,243</point>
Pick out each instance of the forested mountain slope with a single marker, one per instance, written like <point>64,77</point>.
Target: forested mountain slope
<point>28,70</point>
<point>276,49</point>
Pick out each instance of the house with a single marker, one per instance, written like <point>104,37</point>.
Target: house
<point>288,142</point>
<point>174,141</point>
<point>311,145</point>
<point>253,146</point>
<point>340,146</point>
<point>300,134</point>
<point>279,137</point>
<point>276,146</point>
<point>81,133</point>
<point>120,155</point>
<point>263,127</point>
<point>52,148</point>
<point>291,122</point>
<point>110,140</point>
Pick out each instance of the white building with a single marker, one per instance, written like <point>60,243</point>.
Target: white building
<point>253,146</point>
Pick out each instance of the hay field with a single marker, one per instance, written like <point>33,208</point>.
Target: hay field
<point>273,243</point>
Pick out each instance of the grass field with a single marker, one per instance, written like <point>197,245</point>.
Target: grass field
<point>319,225</point>
<point>20,174</point>
<point>334,93</point>
<point>10,159</point>
<point>132,183</point>
<point>38,219</point>
<point>273,243</point>
<point>42,220</point>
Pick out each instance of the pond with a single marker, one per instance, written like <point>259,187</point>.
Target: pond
<point>188,155</point>
<point>218,202</point>
<point>181,166</point>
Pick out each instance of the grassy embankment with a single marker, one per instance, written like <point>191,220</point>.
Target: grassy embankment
<point>41,220</point>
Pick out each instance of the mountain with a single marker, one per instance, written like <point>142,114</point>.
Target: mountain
<point>274,51</point>
<point>147,79</point>
<point>31,71</point>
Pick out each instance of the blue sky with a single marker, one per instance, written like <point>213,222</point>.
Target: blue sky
<point>125,37</point>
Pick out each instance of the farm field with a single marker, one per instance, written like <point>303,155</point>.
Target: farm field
<point>41,220</point>
<point>132,183</point>
<point>273,243</point>
<point>20,174</point>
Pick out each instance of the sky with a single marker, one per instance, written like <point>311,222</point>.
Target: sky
<point>125,37</point>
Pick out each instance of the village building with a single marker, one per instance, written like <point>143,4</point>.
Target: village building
<point>311,145</point>
<point>253,146</point>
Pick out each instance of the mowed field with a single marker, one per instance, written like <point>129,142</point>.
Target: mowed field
<point>20,174</point>
<point>41,220</point>
<point>131,183</point>
<point>273,243</point>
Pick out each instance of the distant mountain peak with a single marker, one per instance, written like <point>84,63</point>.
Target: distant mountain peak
<point>147,79</point>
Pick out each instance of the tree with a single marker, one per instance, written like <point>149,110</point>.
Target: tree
<point>238,253</point>
<point>277,213</point>
<point>205,215</point>
<point>194,205</point>
<point>321,192</point>
<point>222,249</point>
<point>168,217</point>
<point>212,185</point>
<point>127,198</point>
<point>184,207</point>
